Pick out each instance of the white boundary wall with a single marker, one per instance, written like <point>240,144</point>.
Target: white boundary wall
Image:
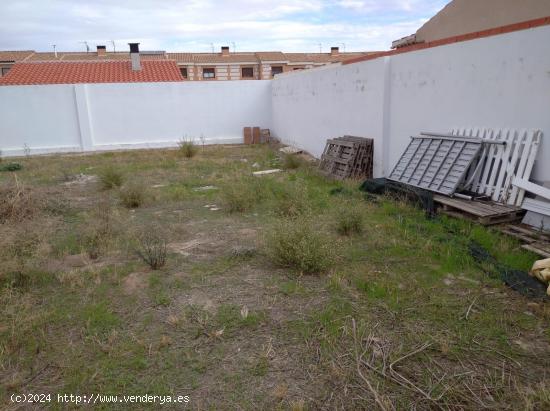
<point>497,82</point>
<point>88,117</point>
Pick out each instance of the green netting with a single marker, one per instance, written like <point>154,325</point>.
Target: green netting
<point>422,198</point>
<point>518,280</point>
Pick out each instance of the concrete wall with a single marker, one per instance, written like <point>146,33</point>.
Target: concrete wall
<point>57,118</point>
<point>500,81</point>
<point>311,106</point>
<point>467,16</point>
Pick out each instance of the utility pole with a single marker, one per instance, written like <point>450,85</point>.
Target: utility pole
<point>114,46</point>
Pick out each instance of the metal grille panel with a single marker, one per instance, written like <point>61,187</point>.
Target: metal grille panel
<point>436,163</point>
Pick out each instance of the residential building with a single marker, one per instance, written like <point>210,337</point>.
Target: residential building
<point>261,65</point>
<point>129,70</point>
<point>224,65</point>
<point>467,16</point>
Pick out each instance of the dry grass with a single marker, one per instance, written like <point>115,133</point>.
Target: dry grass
<point>18,202</point>
<point>152,249</point>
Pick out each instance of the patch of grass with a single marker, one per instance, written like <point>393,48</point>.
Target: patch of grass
<point>99,318</point>
<point>349,220</point>
<point>133,195</point>
<point>292,200</point>
<point>187,148</point>
<point>297,244</point>
<point>291,287</point>
<point>110,178</point>
<point>241,195</point>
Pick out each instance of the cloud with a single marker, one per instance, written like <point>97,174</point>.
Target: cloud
<point>193,25</point>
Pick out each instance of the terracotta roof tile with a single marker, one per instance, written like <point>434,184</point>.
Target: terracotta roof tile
<point>91,72</point>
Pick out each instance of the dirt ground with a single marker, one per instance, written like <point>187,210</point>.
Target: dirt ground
<point>400,316</point>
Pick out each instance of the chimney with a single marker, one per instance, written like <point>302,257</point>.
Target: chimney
<point>225,50</point>
<point>134,56</point>
<point>101,50</point>
<point>334,51</point>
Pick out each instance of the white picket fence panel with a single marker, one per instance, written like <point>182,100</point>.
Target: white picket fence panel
<point>492,174</point>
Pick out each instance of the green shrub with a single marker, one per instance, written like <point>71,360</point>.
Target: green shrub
<point>349,220</point>
<point>10,167</point>
<point>133,195</point>
<point>292,161</point>
<point>187,147</point>
<point>110,178</point>
<point>296,244</point>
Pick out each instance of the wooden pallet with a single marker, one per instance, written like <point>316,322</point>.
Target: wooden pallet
<point>347,157</point>
<point>533,240</point>
<point>483,212</point>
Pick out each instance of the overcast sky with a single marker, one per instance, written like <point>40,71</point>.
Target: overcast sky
<point>197,25</point>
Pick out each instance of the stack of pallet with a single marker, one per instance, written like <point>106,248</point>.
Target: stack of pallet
<point>347,157</point>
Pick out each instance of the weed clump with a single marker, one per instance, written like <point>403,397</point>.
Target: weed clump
<point>187,148</point>
<point>132,195</point>
<point>152,249</point>
<point>18,203</point>
<point>110,178</point>
<point>349,221</point>
<point>296,244</point>
<point>95,240</point>
<point>292,161</point>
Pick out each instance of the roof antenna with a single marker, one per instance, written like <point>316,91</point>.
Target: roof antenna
<point>212,47</point>
<point>234,47</point>
<point>320,48</point>
<point>54,51</point>
<point>343,46</point>
<point>114,46</point>
<point>87,46</point>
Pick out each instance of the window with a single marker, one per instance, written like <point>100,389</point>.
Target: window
<point>247,72</point>
<point>209,72</point>
<point>183,71</point>
<point>5,70</point>
<point>276,70</point>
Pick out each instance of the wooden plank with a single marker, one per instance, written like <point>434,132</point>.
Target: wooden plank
<point>537,249</point>
<point>531,187</point>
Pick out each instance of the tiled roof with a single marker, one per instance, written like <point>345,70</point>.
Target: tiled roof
<point>271,56</point>
<point>91,72</point>
<point>15,55</point>
<point>91,56</point>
